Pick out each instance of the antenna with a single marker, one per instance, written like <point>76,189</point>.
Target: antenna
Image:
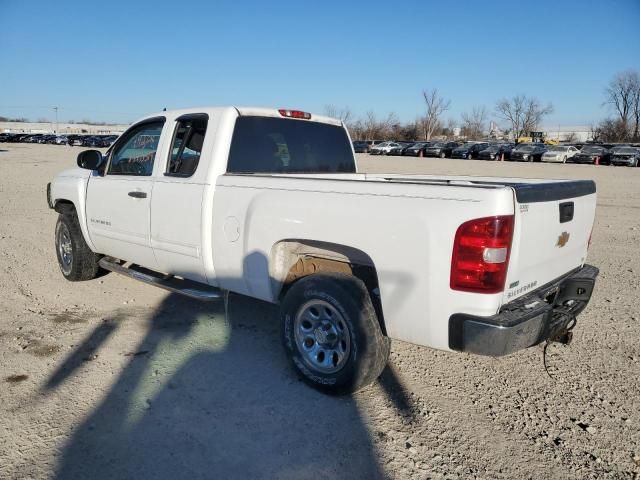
<point>56,110</point>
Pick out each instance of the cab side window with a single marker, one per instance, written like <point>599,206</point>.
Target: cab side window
<point>186,146</point>
<point>135,156</point>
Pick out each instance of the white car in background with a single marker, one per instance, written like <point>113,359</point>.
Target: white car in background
<point>383,148</point>
<point>559,153</point>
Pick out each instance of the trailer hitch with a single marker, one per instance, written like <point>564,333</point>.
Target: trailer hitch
<point>564,337</point>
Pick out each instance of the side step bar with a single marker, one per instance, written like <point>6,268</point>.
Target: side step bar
<point>168,282</point>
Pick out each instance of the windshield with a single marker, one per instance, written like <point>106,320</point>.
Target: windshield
<point>278,145</point>
<point>525,148</point>
<point>591,150</point>
<point>625,150</point>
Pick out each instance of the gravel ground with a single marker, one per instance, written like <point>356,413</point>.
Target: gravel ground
<point>114,379</point>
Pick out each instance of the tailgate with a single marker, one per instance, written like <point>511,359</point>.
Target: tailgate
<point>553,223</point>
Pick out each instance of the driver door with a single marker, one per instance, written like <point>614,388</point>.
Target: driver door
<point>118,202</point>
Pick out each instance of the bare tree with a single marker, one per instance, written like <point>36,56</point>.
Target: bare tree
<point>343,114</point>
<point>370,124</point>
<point>356,129</point>
<point>524,113</point>
<point>635,106</point>
<point>596,132</point>
<point>388,125</point>
<point>612,130</point>
<point>473,124</point>
<point>621,93</point>
<point>435,107</point>
<point>570,137</point>
<point>374,129</point>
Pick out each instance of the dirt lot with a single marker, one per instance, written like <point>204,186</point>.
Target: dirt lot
<point>112,379</point>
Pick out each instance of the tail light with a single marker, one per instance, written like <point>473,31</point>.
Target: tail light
<point>481,254</point>
<point>295,114</point>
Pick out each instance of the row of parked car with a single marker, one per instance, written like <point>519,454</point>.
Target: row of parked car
<point>98,141</point>
<point>598,154</point>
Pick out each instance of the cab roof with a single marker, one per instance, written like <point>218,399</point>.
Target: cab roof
<point>240,111</point>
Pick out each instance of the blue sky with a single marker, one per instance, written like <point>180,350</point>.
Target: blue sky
<point>116,61</point>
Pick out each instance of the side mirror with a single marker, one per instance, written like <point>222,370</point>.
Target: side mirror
<point>90,159</point>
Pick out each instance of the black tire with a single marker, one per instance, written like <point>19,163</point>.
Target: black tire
<point>365,350</point>
<point>76,260</point>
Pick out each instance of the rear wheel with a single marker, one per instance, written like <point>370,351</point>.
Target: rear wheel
<point>331,333</point>
<point>76,260</point>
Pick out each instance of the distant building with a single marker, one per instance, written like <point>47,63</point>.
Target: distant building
<point>63,128</point>
<point>574,133</point>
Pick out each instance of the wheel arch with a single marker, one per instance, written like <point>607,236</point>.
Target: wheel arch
<point>64,206</point>
<point>293,259</point>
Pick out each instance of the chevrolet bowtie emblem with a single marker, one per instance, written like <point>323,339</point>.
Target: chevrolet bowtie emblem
<point>562,239</point>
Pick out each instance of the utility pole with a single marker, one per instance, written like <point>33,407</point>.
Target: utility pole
<point>56,110</point>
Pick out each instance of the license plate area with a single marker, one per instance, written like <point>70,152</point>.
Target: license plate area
<point>576,289</point>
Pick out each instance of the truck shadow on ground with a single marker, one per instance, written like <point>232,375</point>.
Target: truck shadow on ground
<point>212,396</point>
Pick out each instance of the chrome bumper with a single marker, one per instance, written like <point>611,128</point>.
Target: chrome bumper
<point>540,315</point>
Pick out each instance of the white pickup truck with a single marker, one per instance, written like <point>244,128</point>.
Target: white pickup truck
<point>270,204</point>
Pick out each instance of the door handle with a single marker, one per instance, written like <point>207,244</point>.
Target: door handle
<point>138,194</point>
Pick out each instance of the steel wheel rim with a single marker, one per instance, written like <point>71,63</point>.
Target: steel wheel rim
<point>65,248</point>
<point>322,336</point>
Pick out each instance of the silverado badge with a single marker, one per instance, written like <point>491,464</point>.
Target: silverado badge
<point>562,239</point>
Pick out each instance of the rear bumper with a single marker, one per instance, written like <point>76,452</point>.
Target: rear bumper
<point>527,321</point>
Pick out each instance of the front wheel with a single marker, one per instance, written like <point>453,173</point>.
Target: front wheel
<point>442,155</point>
<point>331,333</point>
<point>76,260</point>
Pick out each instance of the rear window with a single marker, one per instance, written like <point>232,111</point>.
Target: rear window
<point>278,145</point>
